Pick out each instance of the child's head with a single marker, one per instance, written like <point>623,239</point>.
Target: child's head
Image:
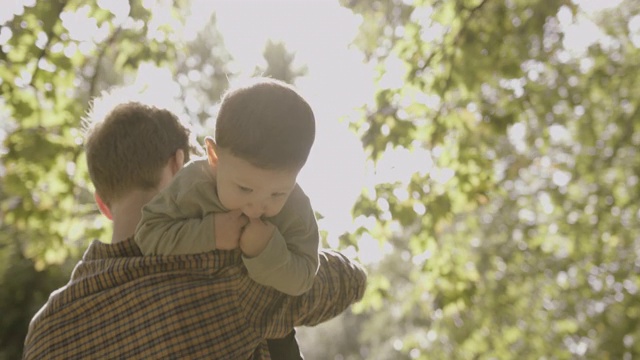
<point>129,145</point>
<point>267,123</point>
<point>264,134</point>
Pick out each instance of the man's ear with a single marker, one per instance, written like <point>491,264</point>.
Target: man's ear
<point>212,154</point>
<point>104,209</point>
<point>177,161</point>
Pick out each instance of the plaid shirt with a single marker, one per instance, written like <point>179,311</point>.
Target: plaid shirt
<point>120,304</point>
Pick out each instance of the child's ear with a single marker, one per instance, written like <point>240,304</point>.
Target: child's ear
<point>211,147</point>
<point>104,209</point>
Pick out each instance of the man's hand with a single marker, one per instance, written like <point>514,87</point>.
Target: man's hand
<point>229,228</point>
<point>255,237</point>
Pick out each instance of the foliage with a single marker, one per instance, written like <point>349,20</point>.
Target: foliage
<point>520,221</point>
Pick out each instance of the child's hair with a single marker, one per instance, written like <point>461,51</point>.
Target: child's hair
<point>267,123</point>
<point>128,145</point>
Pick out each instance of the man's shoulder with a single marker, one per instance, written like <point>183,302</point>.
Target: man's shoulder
<point>195,177</point>
<point>101,313</point>
<point>196,170</point>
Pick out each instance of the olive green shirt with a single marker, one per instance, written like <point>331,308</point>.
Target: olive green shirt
<point>180,220</point>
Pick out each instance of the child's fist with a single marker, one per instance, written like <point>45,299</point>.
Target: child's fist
<point>228,229</point>
<point>255,237</point>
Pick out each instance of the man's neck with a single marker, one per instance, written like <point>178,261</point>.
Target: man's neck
<point>127,213</point>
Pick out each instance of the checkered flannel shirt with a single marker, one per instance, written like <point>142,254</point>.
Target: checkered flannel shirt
<point>120,304</point>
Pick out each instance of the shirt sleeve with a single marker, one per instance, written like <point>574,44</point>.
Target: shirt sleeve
<point>180,219</point>
<point>339,283</point>
<point>289,262</point>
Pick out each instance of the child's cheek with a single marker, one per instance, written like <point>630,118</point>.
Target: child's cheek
<point>276,208</point>
<point>226,199</point>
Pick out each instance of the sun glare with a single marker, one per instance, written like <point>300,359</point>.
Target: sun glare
<point>337,82</point>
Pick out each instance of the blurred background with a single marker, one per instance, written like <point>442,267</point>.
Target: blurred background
<point>480,157</point>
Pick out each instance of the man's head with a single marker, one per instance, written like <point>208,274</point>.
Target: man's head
<point>264,133</point>
<point>129,145</point>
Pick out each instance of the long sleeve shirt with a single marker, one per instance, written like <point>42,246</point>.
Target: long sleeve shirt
<point>120,304</point>
<point>180,220</point>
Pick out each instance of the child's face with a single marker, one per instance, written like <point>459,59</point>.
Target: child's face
<point>255,191</point>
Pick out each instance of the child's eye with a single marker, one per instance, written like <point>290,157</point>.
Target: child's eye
<point>245,189</point>
<point>277,194</point>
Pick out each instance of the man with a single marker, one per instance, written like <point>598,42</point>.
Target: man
<point>120,304</point>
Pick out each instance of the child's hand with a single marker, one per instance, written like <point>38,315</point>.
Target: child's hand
<point>228,229</point>
<point>255,237</point>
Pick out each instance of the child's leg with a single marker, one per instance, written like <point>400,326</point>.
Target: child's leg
<point>285,348</point>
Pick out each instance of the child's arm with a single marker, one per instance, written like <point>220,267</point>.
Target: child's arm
<point>182,218</point>
<point>283,252</point>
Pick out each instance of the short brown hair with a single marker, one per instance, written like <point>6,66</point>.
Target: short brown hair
<point>267,123</point>
<point>129,145</point>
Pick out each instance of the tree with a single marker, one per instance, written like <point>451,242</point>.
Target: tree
<point>521,218</point>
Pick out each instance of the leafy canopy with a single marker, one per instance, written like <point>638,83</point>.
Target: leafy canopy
<point>517,233</point>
